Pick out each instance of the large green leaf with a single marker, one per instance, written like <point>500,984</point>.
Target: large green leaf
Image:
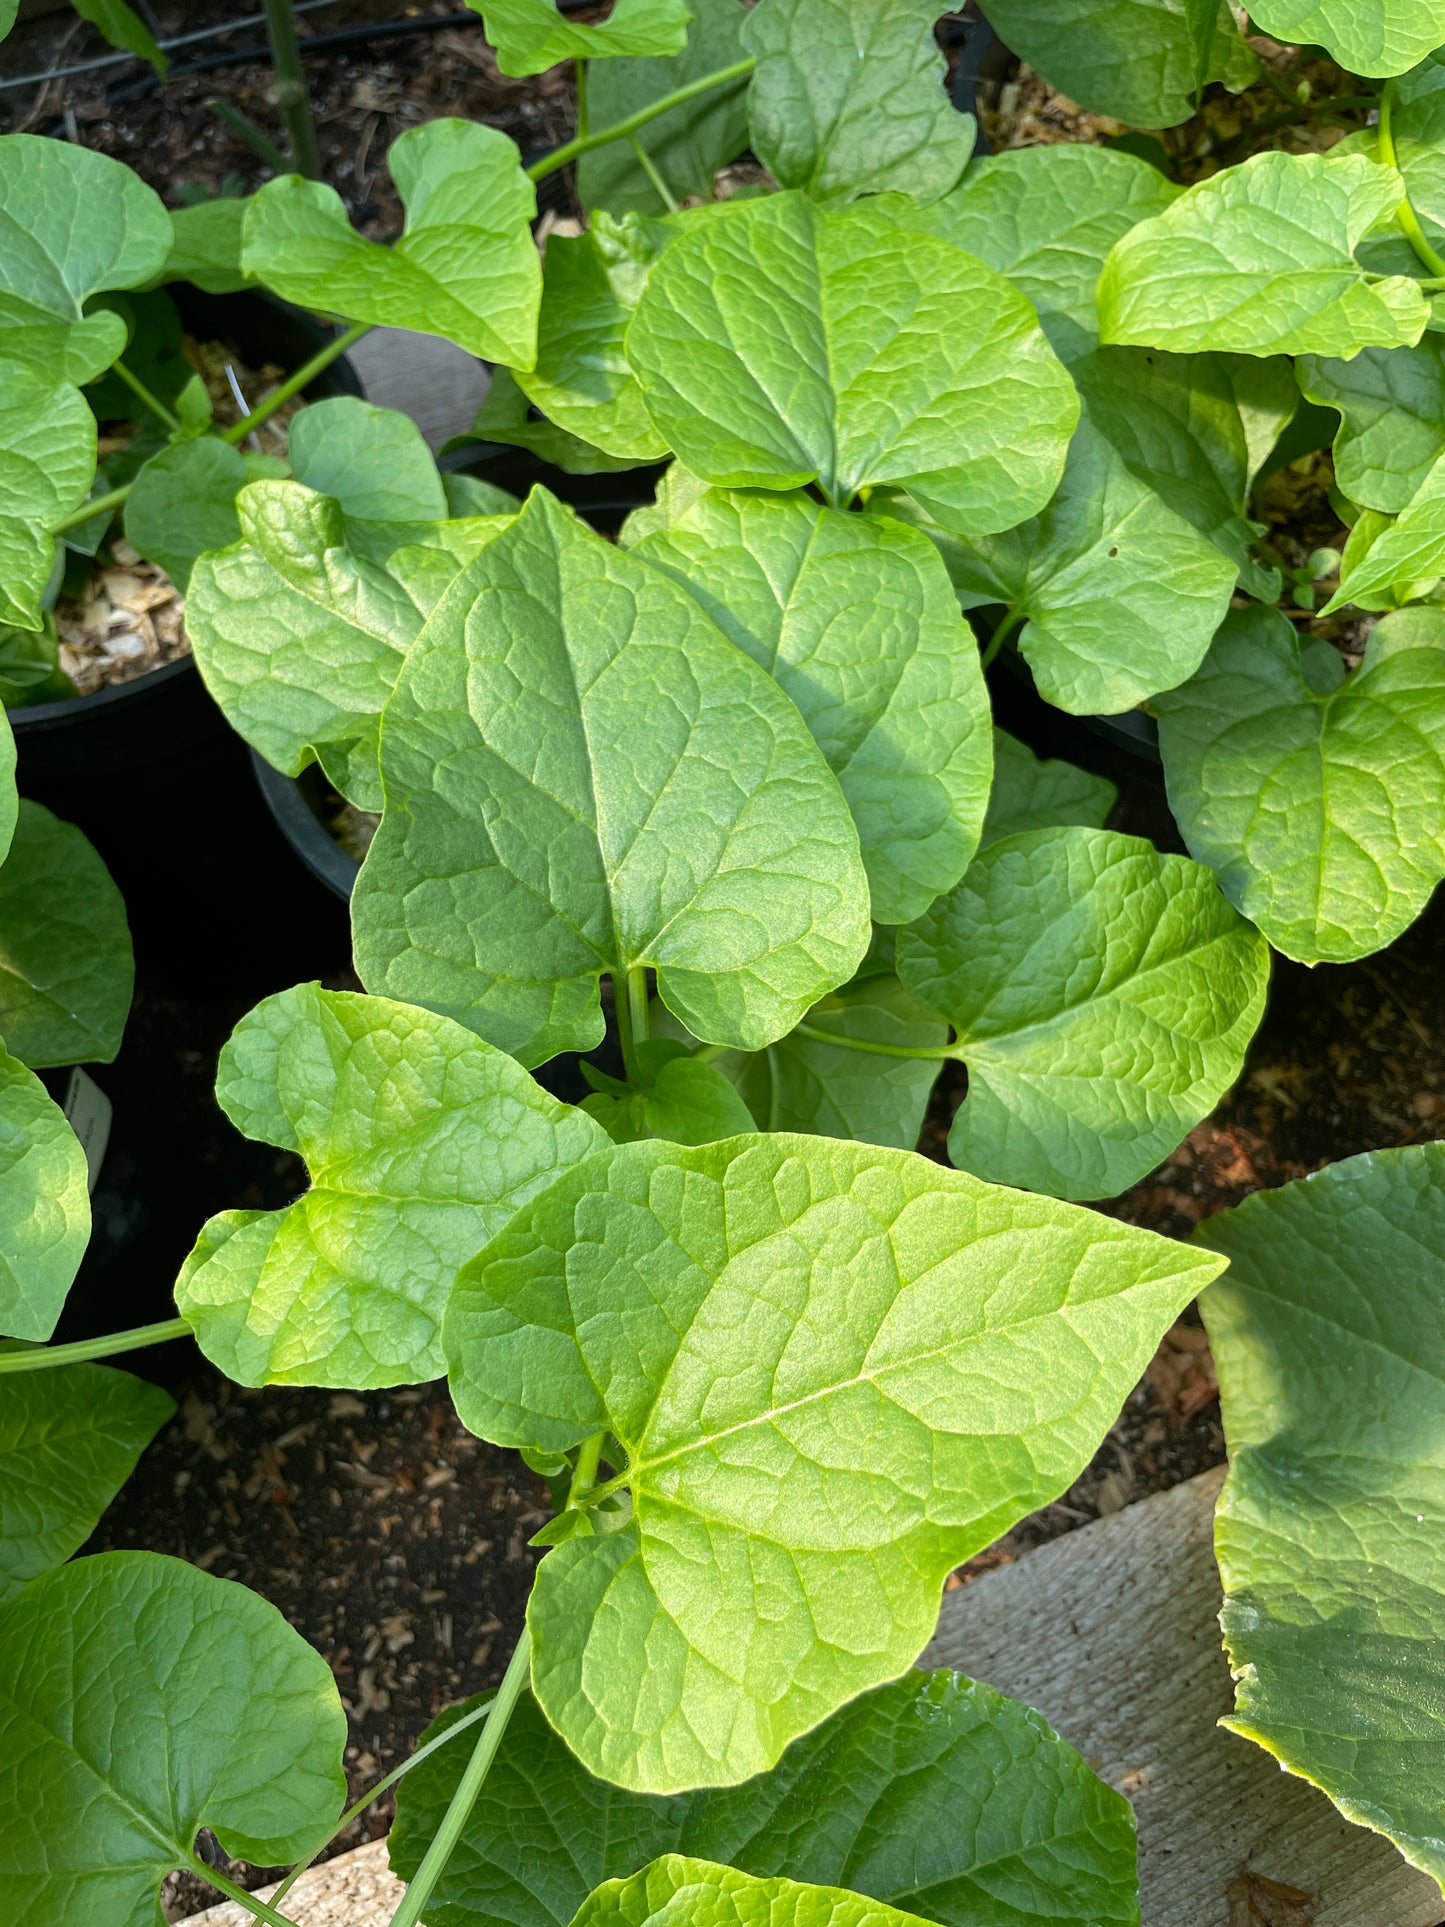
<point>833,1372</point>
<point>1375,37</point>
<point>47,462</point>
<point>72,222</point>
<point>934,1793</point>
<point>1392,401</point>
<point>531,35</point>
<point>804,1083</point>
<point>465,267</point>
<point>421,1142</point>
<point>688,144</point>
<point>679,1892</point>
<point>1103,996</point>
<point>1260,260</point>
<point>183,502</point>
<point>44,1204</point>
<point>1408,552</point>
<point>1315,796</point>
<point>1119,595</point>
<point>791,343</point>
<point>140,1700</point>
<point>373,461</point>
<point>853,616</point>
<point>848,98</point>
<point>300,639</point>
<point>583,775</point>
<point>66,967</point>
<point>1330,1527</point>
<point>69,1440</point>
<point>1030,794</point>
<point>1046,217</point>
<point>1195,429</point>
<point>1142,61</point>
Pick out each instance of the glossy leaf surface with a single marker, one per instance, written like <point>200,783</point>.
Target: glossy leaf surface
<point>44,1205</point>
<point>47,460</point>
<point>1375,37</point>
<point>1393,431</point>
<point>531,35</point>
<point>1403,559</point>
<point>834,1371</point>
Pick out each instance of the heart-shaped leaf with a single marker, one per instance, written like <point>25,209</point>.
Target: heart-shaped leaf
<point>1393,431</point>
<point>833,1372</point>
<point>373,461</point>
<point>854,618</point>
<point>682,818</point>
<point>1119,596</point>
<point>788,343</point>
<point>1375,37</point>
<point>848,98</point>
<point>183,503</point>
<point>421,1142</point>
<point>465,267</point>
<point>1326,1333</point>
<point>1407,552</point>
<point>75,222</point>
<point>44,1204</point>
<point>140,1700</point>
<point>685,146</point>
<point>1314,796</point>
<point>1260,259</point>
<point>935,1793</point>
<point>1103,996</point>
<point>47,462</point>
<point>66,967</point>
<point>1141,61</point>
<point>1029,794</point>
<point>69,1440</point>
<point>531,35</point>
<point>1046,217</point>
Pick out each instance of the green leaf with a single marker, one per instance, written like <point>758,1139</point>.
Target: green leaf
<point>140,1700</point>
<point>854,618</point>
<point>421,1142</point>
<point>1046,217</point>
<point>74,222</point>
<point>935,1793</point>
<point>206,246</point>
<point>1314,796</point>
<point>69,1440</point>
<point>1260,260</point>
<point>848,98</point>
<point>591,286</point>
<point>47,460</point>
<point>688,144</point>
<point>155,350</point>
<point>1120,596</point>
<point>678,1892</point>
<point>8,11</point>
<point>44,1205</point>
<point>689,1103</point>
<point>465,267</point>
<point>1194,428</point>
<point>531,35</point>
<point>804,1084</point>
<point>1374,37</point>
<point>125,30</point>
<point>1141,61</point>
<point>1328,1531</point>
<point>30,669</point>
<point>9,801</point>
<point>183,503</point>
<point>1103,996</point>
<point>833,1373</point>
<point>469,497</point>
<point>505,416</point>
<point>374,462</point>
<point>788,343</point>
<point>300,639</point>
<point>66,968</point>
<point>1029,794</point>
<point>1410,551</point>
<point>681,819</point>
<point>1393,432</point>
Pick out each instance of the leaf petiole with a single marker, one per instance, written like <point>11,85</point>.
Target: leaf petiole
<point>144,395</point>
<point>262,1909</point>
<point>45,1357</point>
<point>1405,215</point>
<point>623,129</point>
<point>653,173</point>
<point>293,384</point>
<point>93,505</point>
<point>820,1036</point>
<point>1000,636</point>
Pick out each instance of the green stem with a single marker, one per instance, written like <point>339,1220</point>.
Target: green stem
<point>251,134</point>
<point>820,1036</point>
<point>143,394</point>
<point>710,1053</point>
<point>291,95</point>
<point>650,169</point>
<point>579,68</point>
<point>584,1473</point>
<point>293,384</point>
<point>355,1811</point>
<point>97,505</point>
<point>637,1007</point>
<point>1001,635</point>
<point>1406,216</point>
<point>45,1357</point>
<point>620,130</point>
<point>262,1909</point>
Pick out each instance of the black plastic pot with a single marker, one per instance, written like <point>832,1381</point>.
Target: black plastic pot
<point>152,773</point>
